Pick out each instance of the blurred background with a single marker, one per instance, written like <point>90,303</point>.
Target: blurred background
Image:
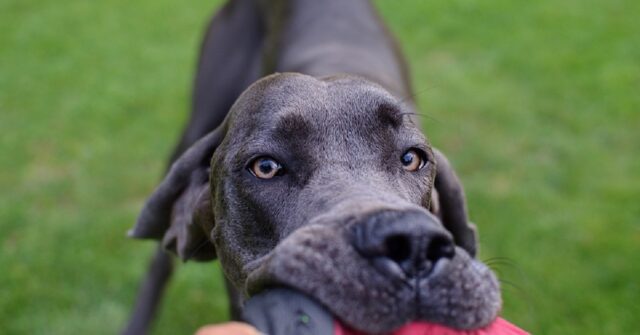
<point>537,103</point>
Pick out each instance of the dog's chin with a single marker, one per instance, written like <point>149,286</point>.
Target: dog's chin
<point>461,293</point>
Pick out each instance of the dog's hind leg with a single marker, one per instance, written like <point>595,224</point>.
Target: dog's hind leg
<point>150,293</point>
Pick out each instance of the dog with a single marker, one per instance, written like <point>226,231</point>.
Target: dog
<point>303,165</point>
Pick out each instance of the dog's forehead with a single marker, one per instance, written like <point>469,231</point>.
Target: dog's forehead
<point>289,99</point>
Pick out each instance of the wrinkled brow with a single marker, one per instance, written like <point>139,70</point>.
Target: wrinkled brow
<point>389,113</point>
<point>292,127</point>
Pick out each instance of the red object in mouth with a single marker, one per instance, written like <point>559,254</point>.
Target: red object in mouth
<point>499,326</point>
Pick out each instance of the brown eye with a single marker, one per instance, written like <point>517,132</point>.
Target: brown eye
<point>412,160</point>
<point>265,168</point>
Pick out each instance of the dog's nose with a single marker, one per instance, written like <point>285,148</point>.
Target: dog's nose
<point>403,244</point>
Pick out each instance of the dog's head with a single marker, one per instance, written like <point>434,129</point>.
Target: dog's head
<point>328,186</point>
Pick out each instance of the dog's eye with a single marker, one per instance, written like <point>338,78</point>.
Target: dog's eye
<point>265,168</point>
<point>412,160</point>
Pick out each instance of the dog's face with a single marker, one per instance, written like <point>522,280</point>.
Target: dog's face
<point>325,186</point>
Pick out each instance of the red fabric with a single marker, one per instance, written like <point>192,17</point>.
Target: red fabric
<point>498,327</point>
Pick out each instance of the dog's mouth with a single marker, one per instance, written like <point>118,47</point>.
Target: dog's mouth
<point>460,292</point>
<point>287,311</point>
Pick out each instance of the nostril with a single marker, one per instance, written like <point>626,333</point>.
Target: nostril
<point>440,247</point>
<point>401,245</point>
<point>398,247</point>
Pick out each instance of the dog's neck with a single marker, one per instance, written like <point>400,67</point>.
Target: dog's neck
<point>358,44</point>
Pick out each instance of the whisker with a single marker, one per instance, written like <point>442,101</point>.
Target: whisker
<point>422,115</point>
<point>495,269</point>
<point>415,94</point>
<point>513,285</point>
<point>506,259</point>
<point>410,98</point>
<point>518,289</point>
<point>501,262</point>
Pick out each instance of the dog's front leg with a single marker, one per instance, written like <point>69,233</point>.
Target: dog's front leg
<point>150,293</point>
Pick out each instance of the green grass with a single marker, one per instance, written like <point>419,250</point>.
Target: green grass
<point>537,103</point>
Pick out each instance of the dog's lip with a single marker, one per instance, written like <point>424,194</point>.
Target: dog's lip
<point>255,285</point>
<point>261,279</point>
<point>256,282</point>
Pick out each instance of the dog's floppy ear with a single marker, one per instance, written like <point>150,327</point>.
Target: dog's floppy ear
<point>179,212</point>
<point>448,203</point>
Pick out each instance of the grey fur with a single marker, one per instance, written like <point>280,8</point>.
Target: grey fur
<point>340,138</point>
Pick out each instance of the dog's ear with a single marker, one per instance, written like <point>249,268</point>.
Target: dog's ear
<point>448,203</point>
<point>180,212</point>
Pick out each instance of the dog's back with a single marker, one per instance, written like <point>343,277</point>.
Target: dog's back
<point>249,39</point>
<point>322,38</point>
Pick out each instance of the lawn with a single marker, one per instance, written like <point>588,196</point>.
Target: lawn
<point>537,103</point>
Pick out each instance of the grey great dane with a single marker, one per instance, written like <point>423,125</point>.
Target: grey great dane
<point>303,166</point>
